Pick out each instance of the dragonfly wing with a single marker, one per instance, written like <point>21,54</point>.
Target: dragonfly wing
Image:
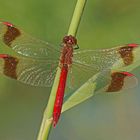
<point>87,63</point>
<point>115,81</point>
<point>106,58</point>
<point>24,44</point>
<point>36,72</point>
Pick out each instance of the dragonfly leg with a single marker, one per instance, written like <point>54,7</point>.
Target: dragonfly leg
<point>76,47</point>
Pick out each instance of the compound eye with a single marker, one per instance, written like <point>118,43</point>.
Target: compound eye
<point>66,39</point>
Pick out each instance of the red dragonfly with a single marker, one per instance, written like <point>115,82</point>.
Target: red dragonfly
<point>35,63</point>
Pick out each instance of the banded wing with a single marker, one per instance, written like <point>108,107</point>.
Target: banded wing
<point>27,70</point>
<point>114,81</point>
<point>24,44</point>
<point>95,61</point>
<point>34,62</point>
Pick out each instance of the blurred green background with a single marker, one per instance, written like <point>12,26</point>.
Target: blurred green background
<point>105,23</point>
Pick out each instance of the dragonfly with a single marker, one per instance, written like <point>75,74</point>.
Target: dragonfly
<point>35,62</point>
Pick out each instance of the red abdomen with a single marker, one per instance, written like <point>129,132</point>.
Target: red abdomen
<point>60,94</point>
<point>65,61</point>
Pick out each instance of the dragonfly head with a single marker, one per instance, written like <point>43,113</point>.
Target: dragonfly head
<point>70,41</point>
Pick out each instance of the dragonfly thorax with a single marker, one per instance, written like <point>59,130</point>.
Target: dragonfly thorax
<point>67,51</point>
<point>66,55</point>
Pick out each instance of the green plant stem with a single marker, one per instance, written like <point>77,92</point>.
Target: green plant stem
<point>47,117</point>
<point>76,17</point>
